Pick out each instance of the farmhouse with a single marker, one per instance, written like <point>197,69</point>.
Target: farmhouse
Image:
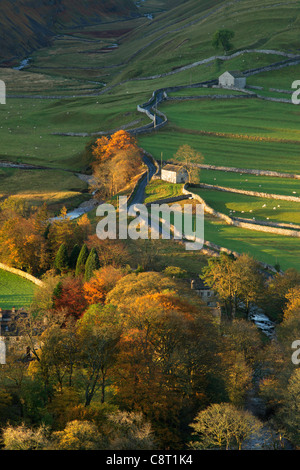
<point>204,291</point>
<point>8,321</point>
<point>174,174</point>
<point>208,296</point>
<point>232,79</point>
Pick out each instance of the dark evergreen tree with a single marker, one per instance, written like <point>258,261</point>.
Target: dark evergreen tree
<point>81,260</point>
<point>57,292</point>
<point>61,262</point>
<point>74,256</point>
<point>91,265</point>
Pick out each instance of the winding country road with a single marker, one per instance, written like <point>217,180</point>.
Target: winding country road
<point>139,195</point>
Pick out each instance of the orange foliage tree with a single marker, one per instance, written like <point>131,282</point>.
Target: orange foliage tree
<point>102,282</point>
<point>22,240</point>
<point>167,349</point>
<point>117,161</point>
<point>69,297</point>
<point>293,307</point>
<point>107,147</point>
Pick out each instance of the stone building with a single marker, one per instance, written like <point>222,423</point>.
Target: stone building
<point>174,174</point>
<point>11,336</point>
<point>204,291</point>
<point>232,79</point>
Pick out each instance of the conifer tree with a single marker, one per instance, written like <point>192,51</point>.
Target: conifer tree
<point>92,264</point>
<point>74,256</point>
<point>81,260</point>
<point>61,262</point>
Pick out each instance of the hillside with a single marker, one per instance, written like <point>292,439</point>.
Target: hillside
<point>184,34</point>
<point>29,24</point>
<point>92,77</point>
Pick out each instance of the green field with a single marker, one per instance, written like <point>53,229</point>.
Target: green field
<point>248,182</point>
<point>238,117</point>
<point>244,206</point>
<point>265,247</point>
<point>158,189</point>
<point>106,62</point>
<point>248,133</point>
<point>15,291</point>
<point>54,187</point>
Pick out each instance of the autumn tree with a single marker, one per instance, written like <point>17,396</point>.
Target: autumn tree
<point>83,229</point>
<point>242,336</point>
<point>103,281</point>
<point>106,147</point>
<point>251,284</point>
<point>275,299</point>
<point>220,275</point>
<point>24,438</point>
<point>99,334</point>
<point>189,158</point>
<point>117,160</point>
<point>164,353</point>
<point>130,431</point>
<point>60,354</point>
<point>110,252</point>
<point>292,308</point>
<point>22,240</point>
<point>70,297</point>
<point>61,232</point>
<point>78,435</point>
<point>236,281</point>
<point>223,426</point>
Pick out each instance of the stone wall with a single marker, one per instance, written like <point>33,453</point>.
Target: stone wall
<point>23,274</point>
<point>280,197</point>
<point>276,174</point>
<point>169,200</point>
<point>187,189</point>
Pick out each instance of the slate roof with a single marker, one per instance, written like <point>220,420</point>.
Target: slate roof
<point>174,168</point>
<point>235,73</point>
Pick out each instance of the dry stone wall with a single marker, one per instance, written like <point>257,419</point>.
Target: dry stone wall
<point>187,189</point>
<point>20,273</point>
<point>280,197</point>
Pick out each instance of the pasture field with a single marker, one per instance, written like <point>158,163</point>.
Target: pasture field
<point>27,83</point>
<point>248,133</point>
<point>237,117</point>
<point>225,151</point>
<point>53,187</point>
<point>265,247</point>
<point>281,79</point>
<point>195,92</point>
<point>158,189</point>
<point>15,291</point>
<point>91,79</point>
<point>244,206</point>
<point>151,46</point>
<point>248,182</point>
<point>29,127</point>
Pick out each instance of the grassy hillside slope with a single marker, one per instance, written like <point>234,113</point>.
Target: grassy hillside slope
<point>28,24</point>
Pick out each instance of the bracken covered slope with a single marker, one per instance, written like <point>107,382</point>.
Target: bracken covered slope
<point>26,25</point>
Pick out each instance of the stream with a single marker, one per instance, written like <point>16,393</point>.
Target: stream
<point>24,63</point>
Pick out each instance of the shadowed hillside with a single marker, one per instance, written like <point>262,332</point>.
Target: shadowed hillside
<point>26,25</point>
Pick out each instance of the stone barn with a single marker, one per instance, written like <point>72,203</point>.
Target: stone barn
<point>232,79</point>
<point>174,174</point>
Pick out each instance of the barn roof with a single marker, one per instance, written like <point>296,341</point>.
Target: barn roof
<point>174,168</point>
<point>235,73</point>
